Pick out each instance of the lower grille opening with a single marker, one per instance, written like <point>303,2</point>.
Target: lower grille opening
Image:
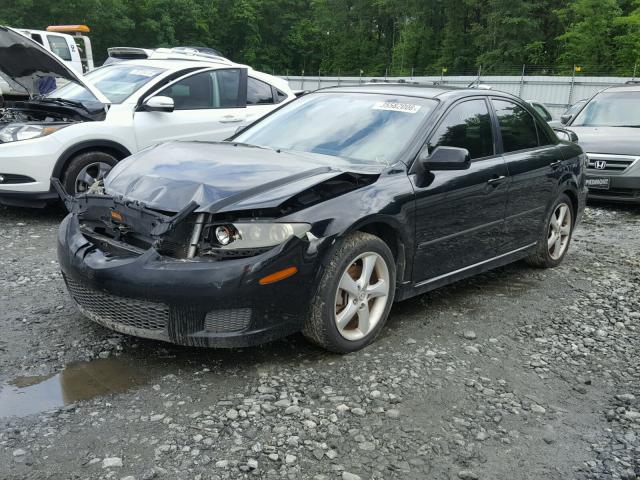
<point>128,312</point>
<point>227,320</point>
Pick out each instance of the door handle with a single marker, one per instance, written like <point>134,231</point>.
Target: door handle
<point>230,119</point>
<point>555,164</point>
<point>497,180</point>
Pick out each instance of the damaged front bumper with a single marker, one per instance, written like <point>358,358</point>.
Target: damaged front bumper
<point>188,301</point>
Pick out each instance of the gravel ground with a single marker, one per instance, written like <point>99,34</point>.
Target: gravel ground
<point>518,374</point>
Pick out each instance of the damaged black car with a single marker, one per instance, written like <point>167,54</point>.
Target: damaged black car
<point>319,216</point>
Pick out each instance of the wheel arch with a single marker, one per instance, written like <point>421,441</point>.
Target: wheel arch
<point>107,146</point>
<point>390,233</point>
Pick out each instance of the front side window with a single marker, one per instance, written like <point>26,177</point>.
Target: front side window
<point>466,125</point>
<point>59,46</point>
<point>116,82</point>
<point>611,109</point>
<point>212,89</point>
<point>517,126</point>
<point>356,127</point>
<point>258,93</point>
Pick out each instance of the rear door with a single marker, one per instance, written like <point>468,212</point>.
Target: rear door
<point>460,214</point>
<point>209,106</point>
<point>534,163</point>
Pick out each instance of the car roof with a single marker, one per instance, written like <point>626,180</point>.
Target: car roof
<point>170,64</point>
<point>631,87</point>
<point>177,64</point>
<point>416,90</point>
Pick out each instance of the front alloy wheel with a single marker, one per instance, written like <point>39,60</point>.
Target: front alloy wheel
<point>354,295</point>
<point>91,174</point>
<point>362,296</point>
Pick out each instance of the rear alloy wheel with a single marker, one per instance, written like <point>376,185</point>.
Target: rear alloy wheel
<point>554,241</point>
<point>559,231</point>
<point>354,296</point>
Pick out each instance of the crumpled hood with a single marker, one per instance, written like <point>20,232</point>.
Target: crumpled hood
<point>613,140</point>
<point>23,61</point>
<point>222,176</point>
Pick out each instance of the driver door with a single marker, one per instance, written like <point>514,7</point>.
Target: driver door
<point>460,214</point>
<point>208,105</point>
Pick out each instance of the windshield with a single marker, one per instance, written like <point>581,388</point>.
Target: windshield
<point>363,128</point>
<point>116,82</point>
<point>611,109</point>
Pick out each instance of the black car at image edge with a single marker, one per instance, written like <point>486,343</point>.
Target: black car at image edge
<point>319,216</point>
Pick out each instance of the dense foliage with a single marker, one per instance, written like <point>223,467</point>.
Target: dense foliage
<point>369,36</point>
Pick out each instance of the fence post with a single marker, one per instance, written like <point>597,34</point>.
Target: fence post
<point>521,82</point>
<point>573,80</point>
<point>635,66</point>
<point>338,77</point>
<point>360,78</point>
<point>318,79</point>
<point>411,73</point>
<point>302,81</point>
<point>479,76</point>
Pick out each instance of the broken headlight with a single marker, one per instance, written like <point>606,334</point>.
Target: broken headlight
<point>25,131</point>
<point>243,236</point>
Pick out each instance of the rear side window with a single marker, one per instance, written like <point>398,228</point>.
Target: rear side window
<point>466,125</point>
<point>258,93</point>
<point>517,126</point>
<point>59,46</point>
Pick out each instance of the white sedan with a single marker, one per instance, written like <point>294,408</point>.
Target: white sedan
<point>79,131</point>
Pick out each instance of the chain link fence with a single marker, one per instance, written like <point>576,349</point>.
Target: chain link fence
<point>557,92</point>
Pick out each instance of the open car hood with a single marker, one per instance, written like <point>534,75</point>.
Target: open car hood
<point>222,177</point>
<point>23,62</point>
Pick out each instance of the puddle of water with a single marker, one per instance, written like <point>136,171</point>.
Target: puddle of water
<point>77,381</point>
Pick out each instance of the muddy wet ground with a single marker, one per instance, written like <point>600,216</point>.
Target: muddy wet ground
<point>515,374</point>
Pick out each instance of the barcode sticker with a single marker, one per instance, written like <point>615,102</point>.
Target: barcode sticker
<point>397,107</point>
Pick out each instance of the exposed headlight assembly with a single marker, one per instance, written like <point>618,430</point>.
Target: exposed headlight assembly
<point>241,236</point>
<point>24,131</point>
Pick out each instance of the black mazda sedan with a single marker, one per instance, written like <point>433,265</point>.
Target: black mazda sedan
<point>321,215</point>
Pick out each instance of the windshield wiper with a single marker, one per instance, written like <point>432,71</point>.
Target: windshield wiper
<point>63,101</point>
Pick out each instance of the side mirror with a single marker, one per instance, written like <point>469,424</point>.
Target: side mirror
<point>566,134</point>
<point>564,119</point>
<point>158,104</point>
<point>446,158</point>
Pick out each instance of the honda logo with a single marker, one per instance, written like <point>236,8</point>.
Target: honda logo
<point>600,164</point>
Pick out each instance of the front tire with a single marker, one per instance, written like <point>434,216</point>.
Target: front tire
<point>354,296</point>
<point>555,237</point>
<point>85,169</point>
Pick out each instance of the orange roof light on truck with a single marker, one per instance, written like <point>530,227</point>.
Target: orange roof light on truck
<point>68,28</point>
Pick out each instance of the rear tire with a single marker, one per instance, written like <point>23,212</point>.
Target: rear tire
<point>354,295</point>
<point>555,236</point>
<point>86,168</point>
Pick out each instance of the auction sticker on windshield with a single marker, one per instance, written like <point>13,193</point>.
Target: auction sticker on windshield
<point>397,107</point>
<point>600,183</point>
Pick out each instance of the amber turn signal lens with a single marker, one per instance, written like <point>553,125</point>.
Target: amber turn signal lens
<point>116,216</point>
<point>279,275</point>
